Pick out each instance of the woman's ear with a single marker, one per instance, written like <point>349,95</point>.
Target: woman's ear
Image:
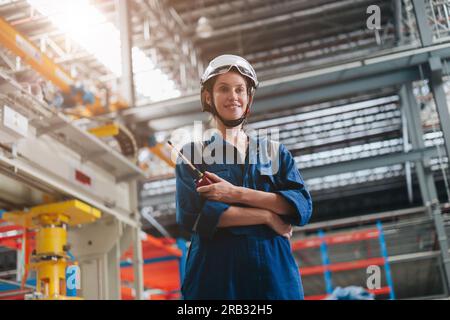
<point>208,97</point>
<point>249,103</point>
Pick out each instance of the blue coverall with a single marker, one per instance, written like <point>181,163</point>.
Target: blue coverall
<point>244,262</point>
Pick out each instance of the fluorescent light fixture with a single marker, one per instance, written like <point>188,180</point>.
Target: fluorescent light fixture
<point>204,28</point>
<point>86,25</point>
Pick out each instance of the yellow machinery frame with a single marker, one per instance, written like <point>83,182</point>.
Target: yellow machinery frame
<point>50,258</point>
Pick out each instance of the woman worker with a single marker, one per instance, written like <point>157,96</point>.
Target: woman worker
<point>242,222</point>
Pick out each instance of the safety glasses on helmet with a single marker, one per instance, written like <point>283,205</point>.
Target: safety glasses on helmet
<point>224,63</point>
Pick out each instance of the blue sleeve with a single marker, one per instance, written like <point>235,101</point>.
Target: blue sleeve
<point>194,213</point>
<point>293,189</point>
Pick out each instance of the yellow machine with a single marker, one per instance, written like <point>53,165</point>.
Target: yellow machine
<point>50,258</point>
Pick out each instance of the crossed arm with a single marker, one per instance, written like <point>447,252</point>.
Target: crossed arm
<point>264,207</point>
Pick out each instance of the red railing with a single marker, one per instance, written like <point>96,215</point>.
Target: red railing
<point>342,238</point>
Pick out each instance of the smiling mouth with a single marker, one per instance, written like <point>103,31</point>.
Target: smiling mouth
<point>232,106</point>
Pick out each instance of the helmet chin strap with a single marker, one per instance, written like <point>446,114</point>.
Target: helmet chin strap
<point>230,123</point>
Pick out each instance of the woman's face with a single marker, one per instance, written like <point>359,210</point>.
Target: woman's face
<point>230,95</point>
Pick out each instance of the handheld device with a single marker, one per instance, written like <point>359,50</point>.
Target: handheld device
<point>201,179</point>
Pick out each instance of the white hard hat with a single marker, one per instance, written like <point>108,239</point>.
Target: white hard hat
<point>222,64</point>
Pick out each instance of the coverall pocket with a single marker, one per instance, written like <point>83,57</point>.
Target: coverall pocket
<point>266,182</point>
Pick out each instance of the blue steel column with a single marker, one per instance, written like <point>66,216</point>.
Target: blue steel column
<point>181,243</point>
<point>326,263</point>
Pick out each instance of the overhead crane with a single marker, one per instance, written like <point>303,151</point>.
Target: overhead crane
<point>81,102</point>
<point>28,52</point>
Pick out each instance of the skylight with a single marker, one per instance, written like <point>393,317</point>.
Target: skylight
<point>86,25</point>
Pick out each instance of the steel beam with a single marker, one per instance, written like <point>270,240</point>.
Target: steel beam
<point>436,71</point>
<point>138,261</point>
<point>426,181</point>
<point>398,21</point>
<point>126,48</point>
<point>307,87</point>
<point>407,165</point>
<point>280,18</point>
<point>368,163</point>
<point>294,99</point>
<point>440,99</point>
<point>426,35</point>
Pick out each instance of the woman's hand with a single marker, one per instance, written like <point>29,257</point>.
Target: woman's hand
<point>280,227</point>
<point>220,190</point>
